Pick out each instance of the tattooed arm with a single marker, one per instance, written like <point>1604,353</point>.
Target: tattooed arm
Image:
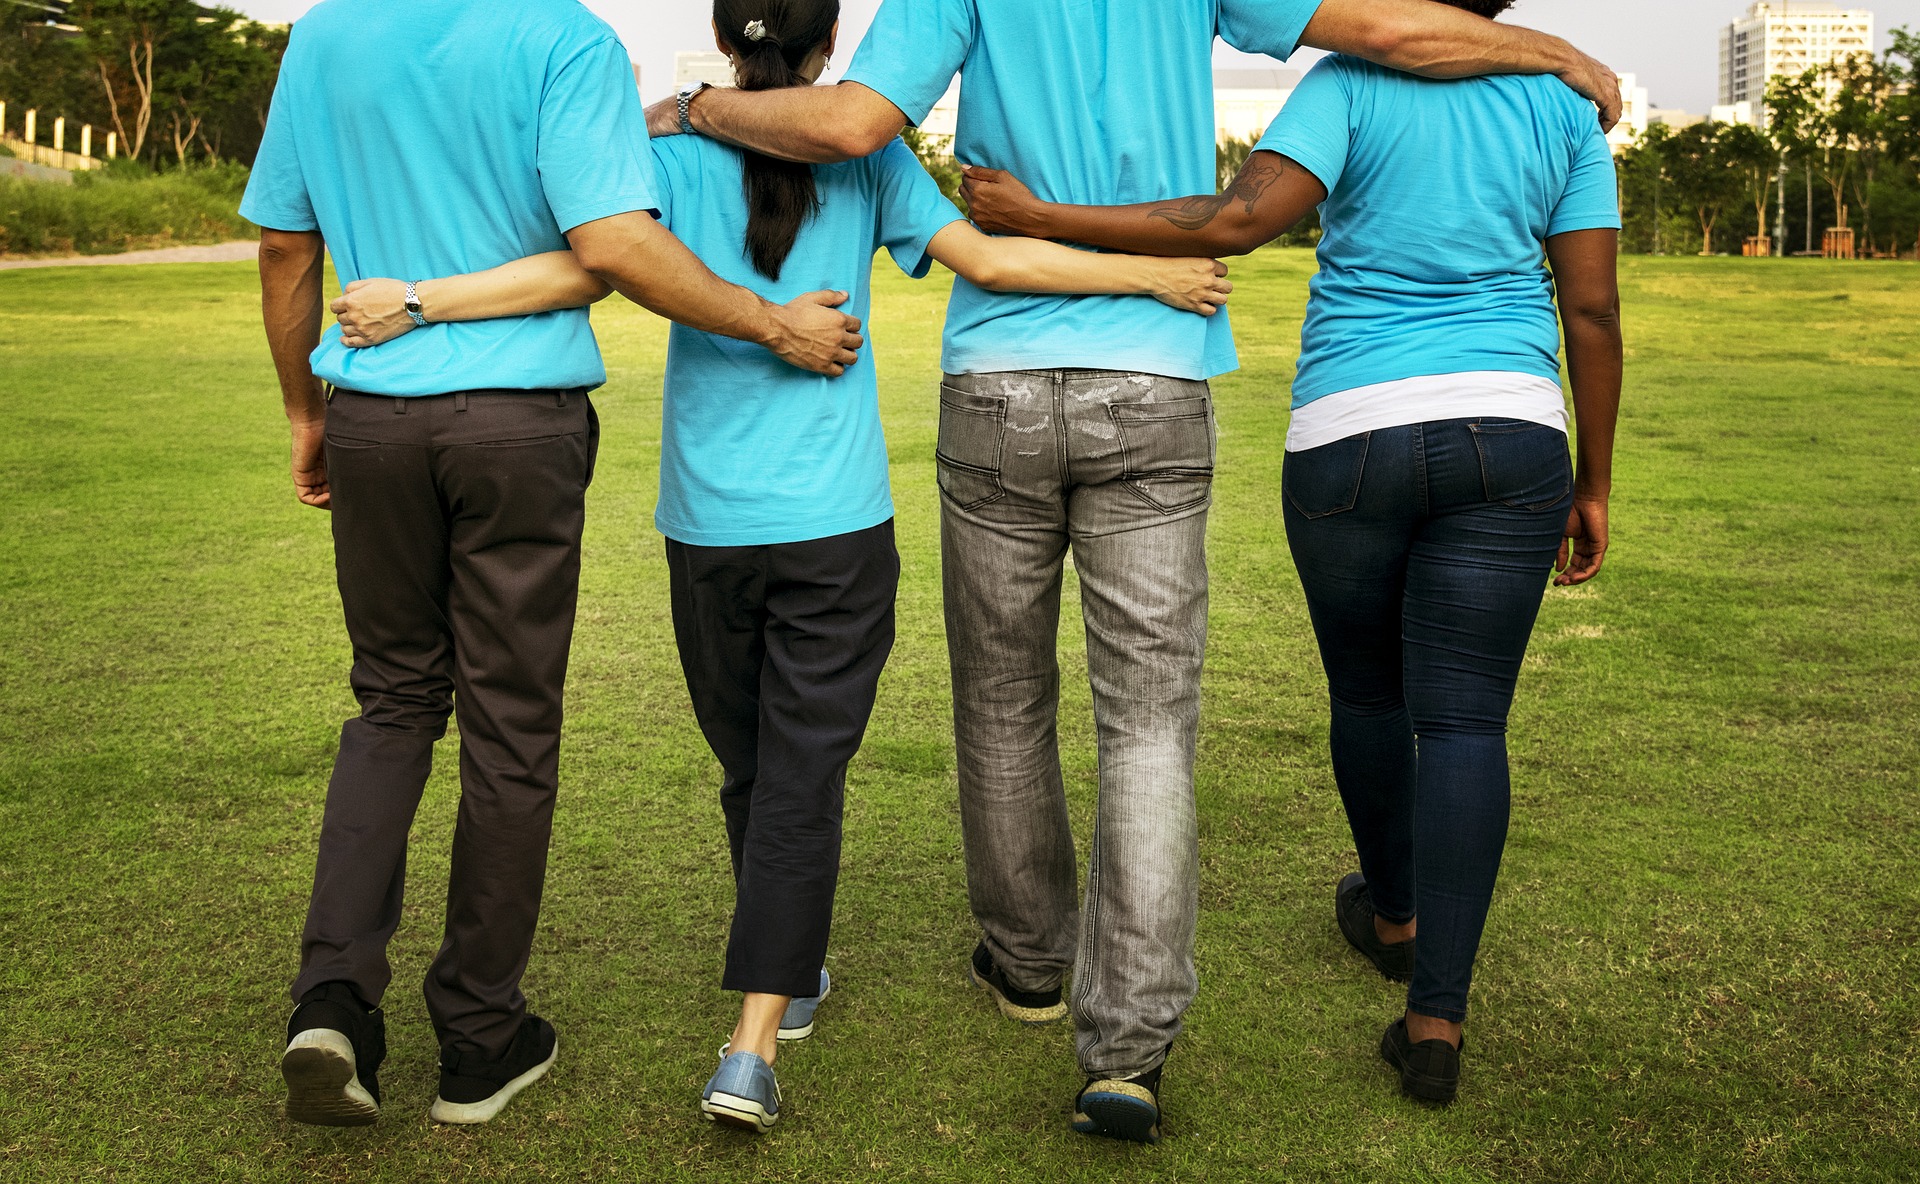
<point>1269,196</point>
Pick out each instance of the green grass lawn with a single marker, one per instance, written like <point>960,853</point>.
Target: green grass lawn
<point>1700,965</point>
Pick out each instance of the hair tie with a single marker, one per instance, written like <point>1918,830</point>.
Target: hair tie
<point>756,30</point>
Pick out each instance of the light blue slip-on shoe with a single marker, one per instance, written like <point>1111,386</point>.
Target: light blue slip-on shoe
<point>797,1022</point>
<point>742,1093</point>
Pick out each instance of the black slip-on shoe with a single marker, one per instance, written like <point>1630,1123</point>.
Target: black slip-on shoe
<point>1120,1107</point>
<point>1429,1070</point>
<point>1353,908</point>
<point>1029,1007</point>
<point>474,1089</point>
<point>335,1044</point>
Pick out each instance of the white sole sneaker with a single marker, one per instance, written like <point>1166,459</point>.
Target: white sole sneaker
<point>471,1113</point>
<point>743,1113</point>
<point>790,1035</point>
<point>323,1081</point>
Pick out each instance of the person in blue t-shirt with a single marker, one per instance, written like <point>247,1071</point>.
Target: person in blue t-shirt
<point>1427,489</point>
<point>455,464</point>
<point>1086,424</point>
<point>774,495</point>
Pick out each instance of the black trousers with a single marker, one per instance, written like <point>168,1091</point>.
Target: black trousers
<point>456,527</point>
<point>783,647</point>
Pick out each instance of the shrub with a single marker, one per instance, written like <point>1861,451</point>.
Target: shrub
<point>117,210</point>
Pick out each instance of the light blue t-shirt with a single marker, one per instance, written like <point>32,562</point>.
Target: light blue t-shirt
<point>1092,102</point>
<point>756,451</point>
<point>440,137</point>
<point>1441,196</point>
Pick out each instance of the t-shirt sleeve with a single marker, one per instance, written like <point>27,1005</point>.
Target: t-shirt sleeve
<point>666,169</point>
<point>912,51</point>
<point>1270,27</point>
<point>1315,128</point>
<point>593,152</point>
<point>911,208</point>
<point>1591,200</point>
<point>277,196</point>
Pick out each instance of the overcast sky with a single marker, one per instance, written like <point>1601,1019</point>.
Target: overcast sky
<point>1671,44</point>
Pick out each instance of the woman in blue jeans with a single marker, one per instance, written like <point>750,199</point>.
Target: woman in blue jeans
<point>1427,490</point>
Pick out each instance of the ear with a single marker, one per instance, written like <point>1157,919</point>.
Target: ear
<point>833,38</point>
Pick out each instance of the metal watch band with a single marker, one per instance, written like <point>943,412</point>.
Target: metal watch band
<point>413,304</point>
<point>686,107</point>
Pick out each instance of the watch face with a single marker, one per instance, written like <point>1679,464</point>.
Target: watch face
<point>691,89</point>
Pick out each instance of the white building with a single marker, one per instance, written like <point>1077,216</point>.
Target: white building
<point>1634,110</point>
<point>1741,112</point>
<point>711,67</point>
<point>1786,37</point>
<point>1246,101</point>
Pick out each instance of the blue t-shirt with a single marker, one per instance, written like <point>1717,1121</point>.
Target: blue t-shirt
<point>1092,102</point>
<point>439,137</point>
<point>755,451</point>
<point>1441,196</point>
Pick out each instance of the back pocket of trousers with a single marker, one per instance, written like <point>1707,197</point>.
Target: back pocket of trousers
<point>968,455</point>
<point>1524,465</point>
<point>1320,482</point>
<point>1169,451</point>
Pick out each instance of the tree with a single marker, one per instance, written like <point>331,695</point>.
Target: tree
<point>1793,123</point>
<point>1858,117</point>
<point>1903,107</point>
<point>1755,160</point>
<point>1697,167</point>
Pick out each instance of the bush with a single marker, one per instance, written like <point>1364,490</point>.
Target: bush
<point>122,209</point>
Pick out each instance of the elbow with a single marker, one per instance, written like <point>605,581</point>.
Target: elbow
<point>992,275</point>
<point>1389,39</point>
<point>1599,316</point>
<point>601,262</point>
<point>851,142</point>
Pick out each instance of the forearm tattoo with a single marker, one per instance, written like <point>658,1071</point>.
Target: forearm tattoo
<point>1196,213</point>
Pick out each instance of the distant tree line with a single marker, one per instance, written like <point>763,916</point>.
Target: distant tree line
<point>1842,144</point>
<point>178,82</point>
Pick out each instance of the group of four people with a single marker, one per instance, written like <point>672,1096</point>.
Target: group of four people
<point>504,164</point>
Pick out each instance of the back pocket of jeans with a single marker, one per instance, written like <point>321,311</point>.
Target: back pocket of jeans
<point>1524,465</point>
<point>1320,482</point>
<point>968,455</point>
<point>1169,451</point>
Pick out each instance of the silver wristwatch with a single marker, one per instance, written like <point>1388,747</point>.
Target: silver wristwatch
<point>413,304</point>
<point>686,104</point>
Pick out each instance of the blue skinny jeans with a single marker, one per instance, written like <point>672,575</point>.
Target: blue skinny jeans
<point>1425,551</point>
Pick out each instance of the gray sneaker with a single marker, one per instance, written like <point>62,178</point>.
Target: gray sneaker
<point>797,1023</point>
<point>742,1093</point>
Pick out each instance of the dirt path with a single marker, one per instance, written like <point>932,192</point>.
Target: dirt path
<point>233,252</point>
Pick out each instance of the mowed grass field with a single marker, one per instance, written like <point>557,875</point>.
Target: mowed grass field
<point>1701,963</point>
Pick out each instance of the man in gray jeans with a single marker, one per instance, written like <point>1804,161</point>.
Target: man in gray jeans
<point>1086,423</point>
<point>456,462</point>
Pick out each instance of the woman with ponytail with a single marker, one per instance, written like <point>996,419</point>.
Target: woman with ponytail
<point>774,494</point>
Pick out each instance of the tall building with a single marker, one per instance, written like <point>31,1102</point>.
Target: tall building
<point>1633,115</point>
<point>1786,37</point>
<point>710,67</point>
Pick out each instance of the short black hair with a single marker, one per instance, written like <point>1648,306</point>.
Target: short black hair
<point>1486,8</point>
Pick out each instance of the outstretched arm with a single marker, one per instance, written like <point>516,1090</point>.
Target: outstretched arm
<point>373,311</point>
<point>1030,265</point>
<point>1585,282</point>
<point>1270,194</point>
<point>1440,41</point>
<point>813,124</point>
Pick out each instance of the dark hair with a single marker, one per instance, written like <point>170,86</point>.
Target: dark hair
<point>1486,8</point>
<point>771,40</point>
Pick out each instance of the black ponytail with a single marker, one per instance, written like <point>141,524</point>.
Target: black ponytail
<point>771,40</point>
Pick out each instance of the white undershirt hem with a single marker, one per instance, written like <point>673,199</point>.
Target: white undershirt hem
<point>1472,394</point>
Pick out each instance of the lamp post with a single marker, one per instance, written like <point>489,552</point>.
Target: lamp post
<point>1780,212</point>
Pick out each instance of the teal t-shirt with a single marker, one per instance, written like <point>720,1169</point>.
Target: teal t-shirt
<point>1440,199</point>
<point>1091,102</point>
<point>755,451</point>
<point>439,137</point>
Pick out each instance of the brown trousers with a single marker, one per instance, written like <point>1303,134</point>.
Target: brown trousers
<point>456,527</point>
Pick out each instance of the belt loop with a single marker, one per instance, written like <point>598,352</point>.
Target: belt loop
<point>459,401</point>
<point>399,405</point>
<point>560,398</point>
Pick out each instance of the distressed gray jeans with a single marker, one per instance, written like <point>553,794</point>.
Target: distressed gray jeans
<point>1119,467</point>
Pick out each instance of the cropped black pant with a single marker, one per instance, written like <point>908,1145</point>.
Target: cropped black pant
<point>782,646</point>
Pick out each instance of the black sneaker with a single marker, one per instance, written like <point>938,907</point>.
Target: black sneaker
<point>474,1089</point>
<point>1120,1107</point>
<point>1029,1007</point>
<point>335,1044</point>
<point>1353,907</point>
<point>1429,1070</point>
